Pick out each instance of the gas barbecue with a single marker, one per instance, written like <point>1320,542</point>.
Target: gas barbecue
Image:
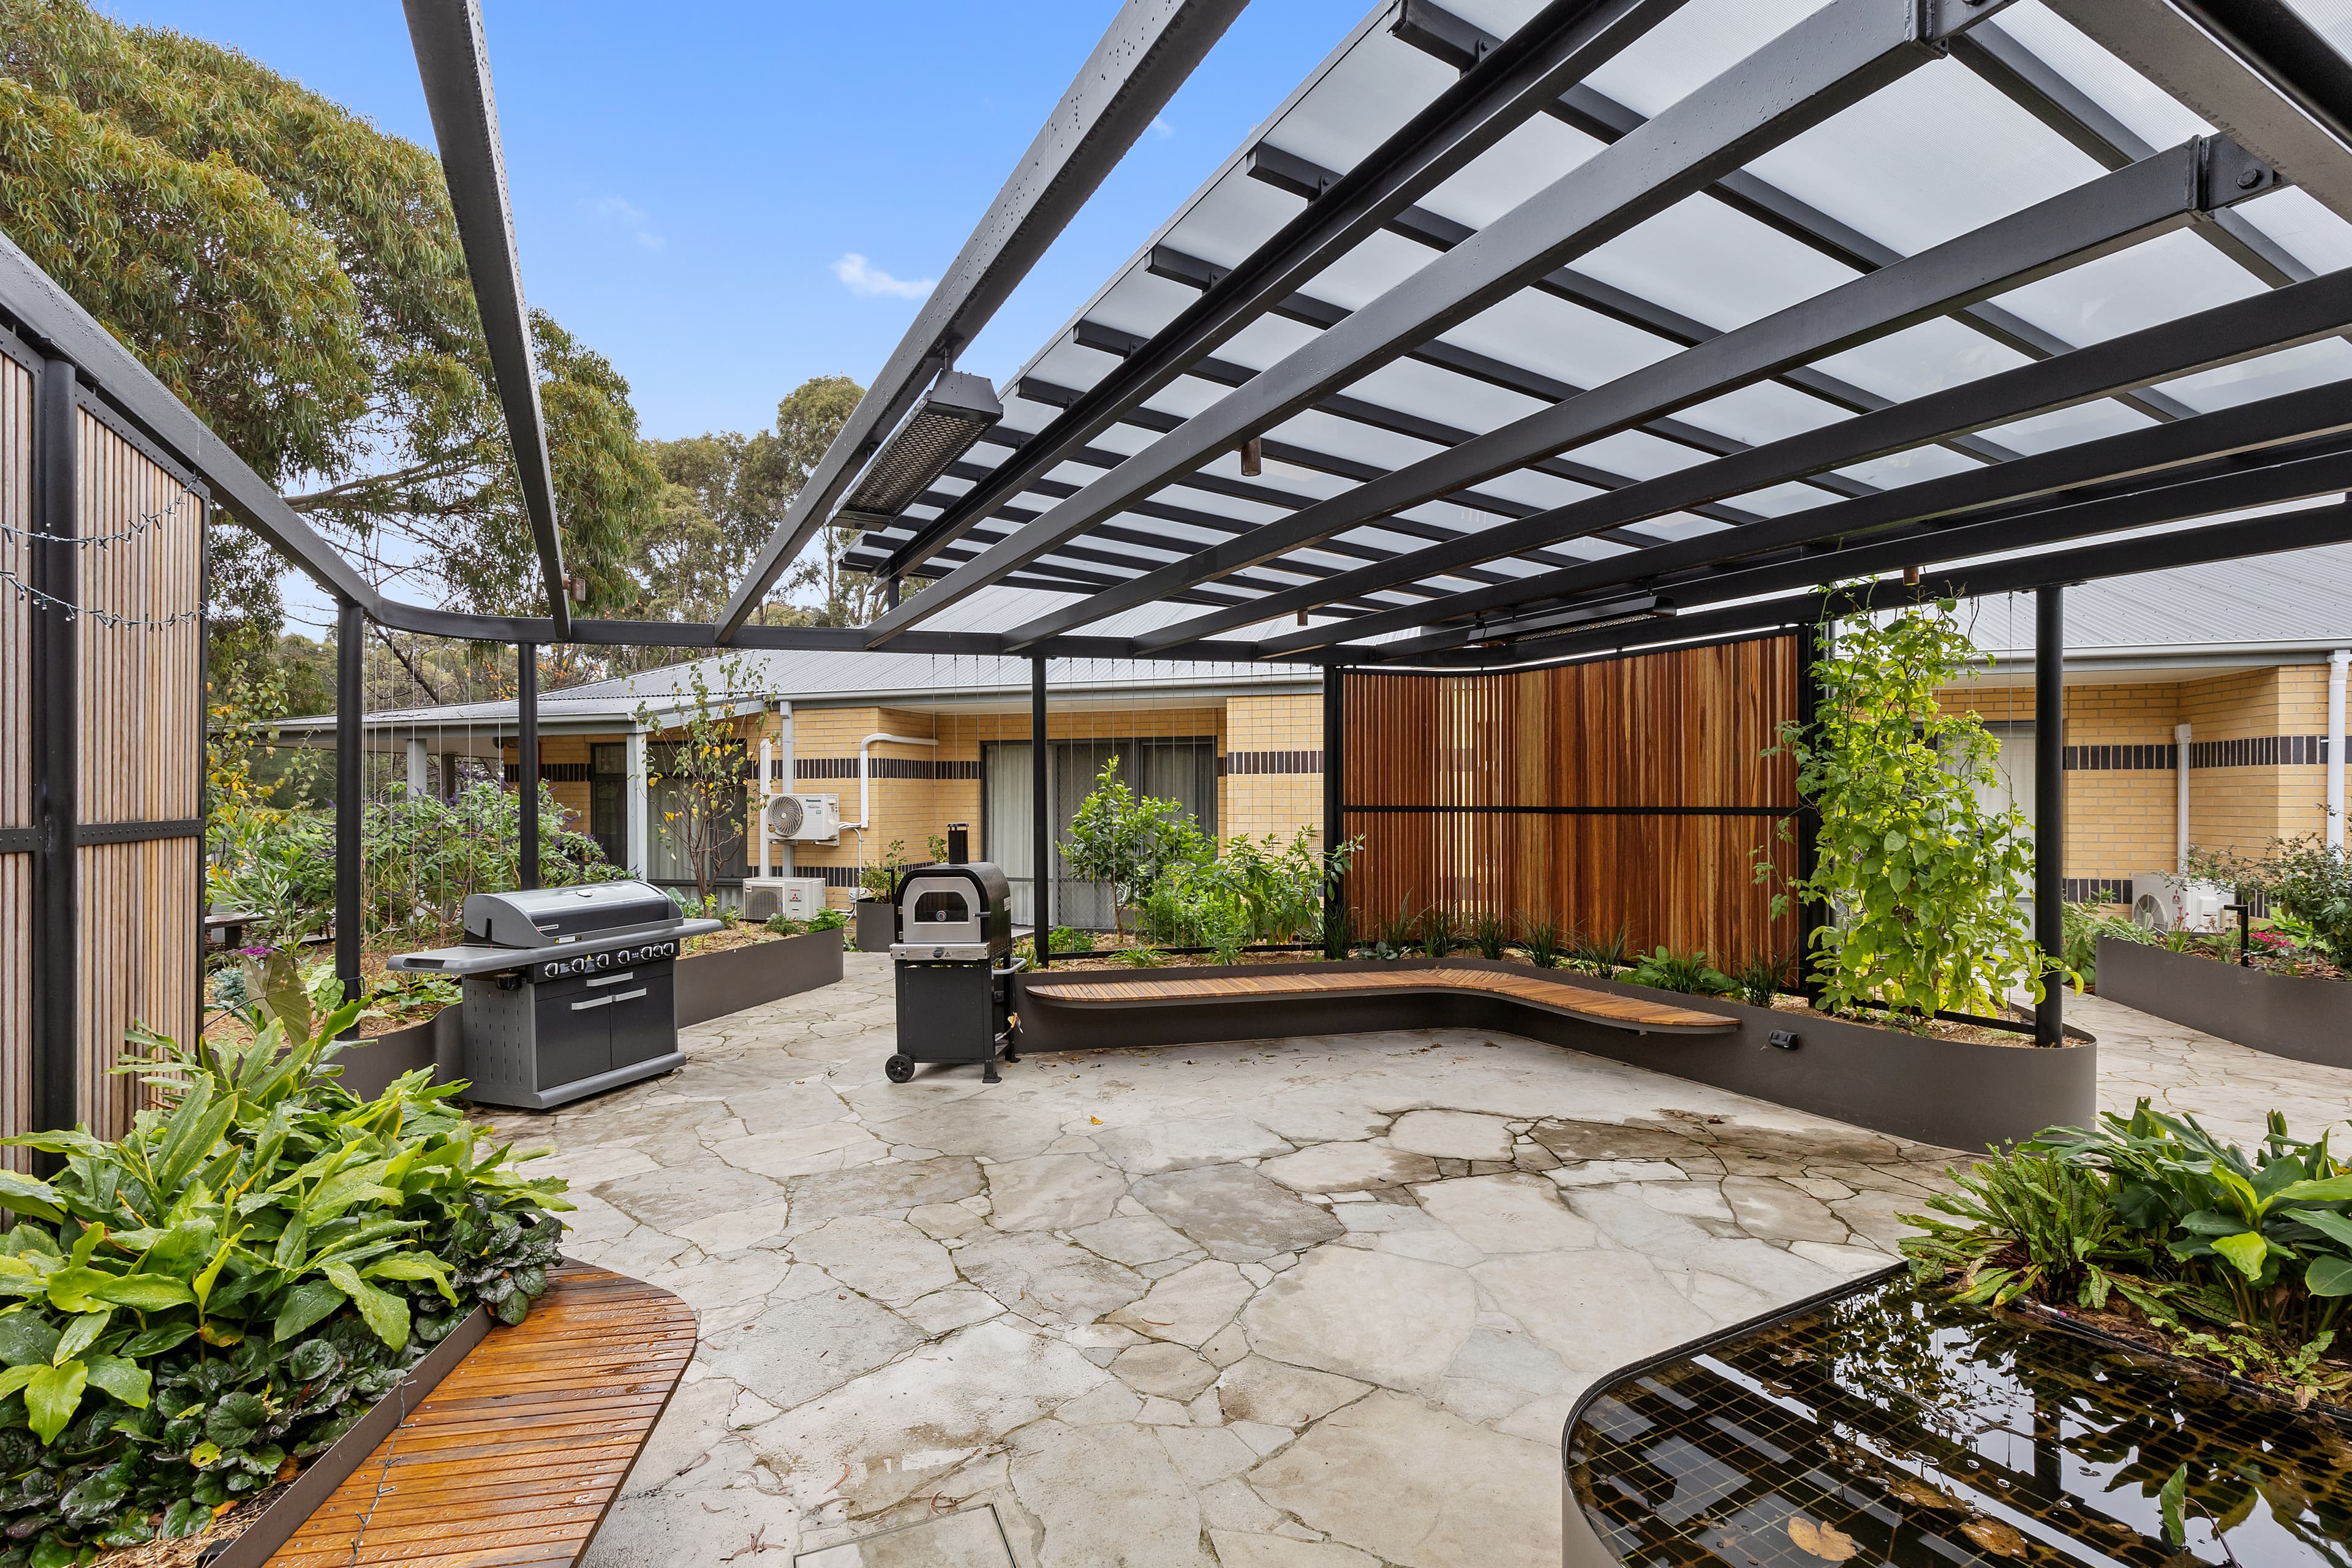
<point>569,991</point>
<point>955,965</point>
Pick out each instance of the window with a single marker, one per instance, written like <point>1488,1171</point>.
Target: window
<point>1182,769</point>
<point>608,801</point>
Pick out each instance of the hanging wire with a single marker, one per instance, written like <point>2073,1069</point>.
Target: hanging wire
<point>147,521</point>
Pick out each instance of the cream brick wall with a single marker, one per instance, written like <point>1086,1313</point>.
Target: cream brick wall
<point>2120,821</point>
<point>1279,804</point>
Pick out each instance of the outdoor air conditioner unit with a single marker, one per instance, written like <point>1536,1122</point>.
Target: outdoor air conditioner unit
<point>2164,901</point>
<point>804,819</point>
<point>794,897</point>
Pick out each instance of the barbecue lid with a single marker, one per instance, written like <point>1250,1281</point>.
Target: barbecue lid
<point>547,917</point>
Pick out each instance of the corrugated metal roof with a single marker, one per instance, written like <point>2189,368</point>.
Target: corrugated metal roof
<point>2298,601</point>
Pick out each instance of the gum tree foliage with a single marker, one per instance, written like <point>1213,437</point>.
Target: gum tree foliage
<point>294,275</point>
<point>1924,879</point>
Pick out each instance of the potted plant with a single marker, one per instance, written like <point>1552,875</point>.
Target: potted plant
<point>876,918</point>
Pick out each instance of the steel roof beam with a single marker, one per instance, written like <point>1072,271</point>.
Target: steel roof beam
<point>1458,42</point>
<point>2243,328</point>
<point>2111,213</point>
<point>2133,504</point>
<point>454,63</point>
<point>2305,529</point>
<point>1567,41</point>
<point>1150,49</point>
<point>1831,59</point>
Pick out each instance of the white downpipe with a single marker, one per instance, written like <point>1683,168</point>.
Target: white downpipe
<point>760,805</point>
<point>420,777</point>
<point>2181,801</point>
<point>2337,663</point>
<point>865,780</point>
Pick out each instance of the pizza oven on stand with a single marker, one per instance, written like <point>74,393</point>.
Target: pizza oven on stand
<point>953,952</point>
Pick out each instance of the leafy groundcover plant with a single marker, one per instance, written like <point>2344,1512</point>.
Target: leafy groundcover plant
<point>2154,1223</point>
<point>227,1290</point>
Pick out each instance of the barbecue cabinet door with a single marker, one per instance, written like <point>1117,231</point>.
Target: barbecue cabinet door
<point>574,1019</point>
<point>645,1015</point>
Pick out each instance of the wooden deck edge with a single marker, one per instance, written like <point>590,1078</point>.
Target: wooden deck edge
<point>1046,991</point>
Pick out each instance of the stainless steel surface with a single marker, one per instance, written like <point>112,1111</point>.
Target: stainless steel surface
<point>546,917</point>
<point>486,958</point>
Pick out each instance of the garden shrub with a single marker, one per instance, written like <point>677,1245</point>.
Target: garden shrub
<point>2084,927</point>
<point>224,1291</point>
<point>1690,972</point>
<point>2243,1260</point>
<point>1133,842</point>
<point>1924,879</point>
<point>2305,878</point>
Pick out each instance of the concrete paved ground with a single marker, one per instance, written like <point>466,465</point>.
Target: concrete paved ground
<point>1310,1303</point>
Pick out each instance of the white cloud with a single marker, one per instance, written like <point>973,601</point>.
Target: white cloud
<point>1162,129</point>
<point>862,278</point>
<point>629,216</point>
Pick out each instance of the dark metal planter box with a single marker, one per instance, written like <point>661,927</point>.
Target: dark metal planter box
<point>877,924</point>
<point>2283,1015</point>
<point>709,985</point>
<point>316,1484</point>
<point>1951,1093</point>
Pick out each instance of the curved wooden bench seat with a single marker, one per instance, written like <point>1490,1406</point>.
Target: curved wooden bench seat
<point>1606,1008</point>
<point>517,1454</point>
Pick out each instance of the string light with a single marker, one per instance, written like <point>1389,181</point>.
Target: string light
<point>107,618</point>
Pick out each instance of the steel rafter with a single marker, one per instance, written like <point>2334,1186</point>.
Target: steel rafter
<point>1559,46</point>
<point>2222,335</point>
<point>1151,48</point>
<point>1802,77</point>
<point>2110,213</point>
<point>454,63</point>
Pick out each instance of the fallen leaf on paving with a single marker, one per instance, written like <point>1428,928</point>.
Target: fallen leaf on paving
<point>1823,1541</point>
<point>2001,1539</point>
<point>1919,1494</point>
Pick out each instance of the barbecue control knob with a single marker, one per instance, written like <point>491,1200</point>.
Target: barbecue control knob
<point>550,970</point>
<point>603,961</point>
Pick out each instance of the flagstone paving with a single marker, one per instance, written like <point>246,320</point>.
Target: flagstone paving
<point>1310,1303</point>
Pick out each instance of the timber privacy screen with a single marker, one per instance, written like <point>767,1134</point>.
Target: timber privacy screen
<point>1626,791</point>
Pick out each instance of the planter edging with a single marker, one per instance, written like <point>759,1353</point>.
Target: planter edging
<point>275,1524</point>
<point>1953,1094</point>
<point>2288,1016</point>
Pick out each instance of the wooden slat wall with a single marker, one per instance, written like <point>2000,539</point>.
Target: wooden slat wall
<point>1682,728</point>
<point>140,762</point>
<point>16,757</point>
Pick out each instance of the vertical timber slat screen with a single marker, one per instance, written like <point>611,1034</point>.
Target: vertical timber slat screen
<point>142,764</point>
<point>1625,792</point>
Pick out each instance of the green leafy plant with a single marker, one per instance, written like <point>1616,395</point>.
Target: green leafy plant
<point>1762,976</point>
<point>1129,840</point>
<point>880,880</point>
<point>782,924</point>
<point>1543,944</point>
<point>1395,936</point>
<point>223,1291</point>
<point>2084,928</point>
<point>1340,932</point>
<point>1604,955</point>
<point>1140,957</point>
<point>1069,939</point>
<point>826,920</point>
<point>2030,1222</point>
<point>697,770</point>
<point>1924,879</point>
<point>2306,879</point>
<point>1438,931</point>
<point>1491,935</point>
<point>1688,972</point>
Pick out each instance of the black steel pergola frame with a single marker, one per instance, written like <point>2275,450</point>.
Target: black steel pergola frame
<point>2280,96</point>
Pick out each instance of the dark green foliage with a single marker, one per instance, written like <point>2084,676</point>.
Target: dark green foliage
<point>1762,976</point>
<point>2084,927</point>
<point>1490,935</point>
<point>2245,1258</point>
<point>1069,939</point>
<point>1439,931</point>
<point>1542,943</point>
<point>2303,877</point>
<point>1683,971</point>
<point>1603,955</point>
<point>227,1289</point>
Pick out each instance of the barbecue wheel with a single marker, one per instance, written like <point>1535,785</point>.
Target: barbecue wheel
<point>899,1069</point>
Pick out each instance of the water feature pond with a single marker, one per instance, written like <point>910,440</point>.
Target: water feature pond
<point>1885,1425</point>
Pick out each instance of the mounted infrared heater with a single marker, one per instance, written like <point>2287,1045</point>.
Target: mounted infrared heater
<point>1582,619</point>
<point>958,409</point>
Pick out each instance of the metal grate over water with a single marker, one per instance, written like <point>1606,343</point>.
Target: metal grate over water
<point>1888,1426</point>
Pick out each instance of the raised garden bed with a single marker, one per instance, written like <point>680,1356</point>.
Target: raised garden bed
<point>711,985</point>
<point>1884,1422</point>
<point>2308,1020</point>
<point>1954,1093</point>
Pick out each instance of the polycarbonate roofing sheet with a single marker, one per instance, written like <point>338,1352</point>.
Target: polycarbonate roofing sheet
<point>1932,155</point>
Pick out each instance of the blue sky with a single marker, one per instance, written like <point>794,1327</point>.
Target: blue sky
<point>688,179</point>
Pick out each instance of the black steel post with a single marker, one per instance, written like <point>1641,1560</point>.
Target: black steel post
<point>1335,801</point>
<point>2050,805</point>
<point>1041,894</point>
<point>54,699</point>
<point>527,772</point>
<point>351,789</point>
<point>1813,647</point>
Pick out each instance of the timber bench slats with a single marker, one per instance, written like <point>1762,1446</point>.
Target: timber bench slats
<point>1603,1007</point>
<point>518,1455</point>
